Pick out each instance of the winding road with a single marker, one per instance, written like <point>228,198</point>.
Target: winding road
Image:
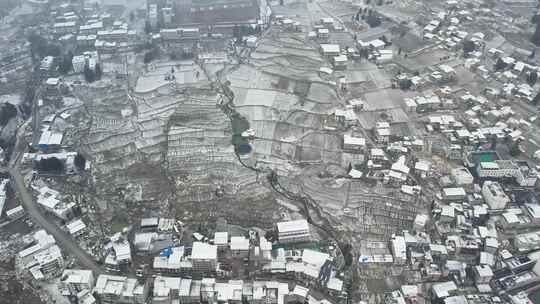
<point>66,242</point>
<point>38,216</point>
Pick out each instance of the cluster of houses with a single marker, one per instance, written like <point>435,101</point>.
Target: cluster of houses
<point>42,258</point>
<point>165,290</point>
<point>462,244</point>
<point>196,272</point>
<point>97,31</point>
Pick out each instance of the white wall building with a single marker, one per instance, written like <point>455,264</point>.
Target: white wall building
<point>204,258</point>
<point>330,50</point>
<point>15,213</point>
<point>76,227</point>
<point>3,184</point>
<point>78,63</point>
<point>49,261</point>
<point>399,249</point>
<point>454,194</point>
<point>483,274</point>
<point>494,195</point>
<point>523,174</point>
<point>221,239</point>
<point>43,259</point>
<point>50,200</point>
<point>111,289</point>
<point>76,280</point>
<point>153,15</point>
<point>462,177</point>
<point>166,289</point>
<point>239,246</point>
<point>293,231</point>
<point>353,143</point>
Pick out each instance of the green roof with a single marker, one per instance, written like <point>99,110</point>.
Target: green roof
<point>488,157</point>
<point>535,297</point>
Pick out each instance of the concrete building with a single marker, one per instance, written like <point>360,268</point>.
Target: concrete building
<point>462,177</point>
<point>533,211</point>
<point>185,292</point>
<point>330,50</point>
<point>76,227</point>
<point>112,289</point>
<point>420,222</point>
<point>204,258</point>
<point>217,16</point>
<point>179,35</point>
<point>382,132</point>
<point>15,213</point>
<point>119,253</point>
<point>265,249</point>
<point>454,194</point>
<point>76,280</point>
<point>298,295</point>
<point>51,88</point>
<point>376,155</point>
<point>3,185</point>
<point>399,250</point>
<point>61,28</point>
<point>153,16</point>
<point>422,168</point>
<point>167,14</point>
<point>239,246</point>
<point>91,28</point>
<point>173,262</point>
<point>78,63</point>
<point>86,40</point>
<point>448,214</point>
<point>520,171</point>
<point>293,231</point>
<point>43,259</point>
<point>526,242</point>
<point>483,274</point>
<point>339,62</point>
<point>116,35</point>
<point>354,143</point>
<point>494,195</point>
<point>50,141</point>
<point>51,201</point>
<point>47,64</point>
<point>50,261</point>
<point>221,240</point>
<point>323,33</point>
<point>443,290</point>
<point>515,282</point>
<point>166,289</point>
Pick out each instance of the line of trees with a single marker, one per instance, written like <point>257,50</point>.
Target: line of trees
<point>55,165</point>
<point>80,162</point>
<point>368,15</point>
<point>536,35</point>
<point>50,165</point>
<point>66,63</point>
<point>92,75</point>
<point>7,112</point>
<point>40,47</point>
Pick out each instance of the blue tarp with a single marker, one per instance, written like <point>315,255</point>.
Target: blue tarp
<point>166,252</point>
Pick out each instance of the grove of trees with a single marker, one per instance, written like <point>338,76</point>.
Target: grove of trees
<point>468,46</point>
<point>80,162</point>
<point>92,75</point>
<point>50,165</point>
<point>40,47</point>
<point>7,112</point>
<point>536,35</point>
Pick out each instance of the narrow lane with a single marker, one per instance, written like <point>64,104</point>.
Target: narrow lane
<point>66,242</point>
